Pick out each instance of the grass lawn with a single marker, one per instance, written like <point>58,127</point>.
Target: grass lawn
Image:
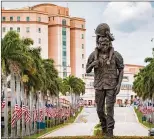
<point>139,115</point>
<point>99,137</point>
<point>97,130</point>
<point>71,120</point>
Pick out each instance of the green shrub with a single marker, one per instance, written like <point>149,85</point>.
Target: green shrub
<point>98,125</point>
<point>49,123</point>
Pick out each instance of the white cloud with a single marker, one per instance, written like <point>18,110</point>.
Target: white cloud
<point>117,13</point>
<point>132,25</point>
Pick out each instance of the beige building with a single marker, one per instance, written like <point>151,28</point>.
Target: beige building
<point>126,91</point>
<point>29,23</point>
<point>60,36</point>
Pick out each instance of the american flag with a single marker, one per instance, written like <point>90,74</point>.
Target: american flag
<point>60,111</point>
<point>149,109</point>
<point>41,114</point>
<point>27,115</point>
<point>144,110</point>
<point>67,113</point>
<point>47,109</point>
<point>15,112</point>
<point>3,103</point>
<point>52,112</point>
<point>19,113</point>
<point>63,112</point>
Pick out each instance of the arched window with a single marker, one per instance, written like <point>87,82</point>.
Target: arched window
<point>63,22</point>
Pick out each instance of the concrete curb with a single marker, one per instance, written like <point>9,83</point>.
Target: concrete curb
<point>78,116</point>
<point>138,119</point>
<point>53,131</point>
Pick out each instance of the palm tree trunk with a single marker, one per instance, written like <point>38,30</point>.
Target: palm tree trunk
<point>18,102</point>
<point>43,103</point>
<point>6,108</point>
<point>27,124</point>
<point>36,107</point>
<point>23,118</point>
<point>12,102</point>
<point>71,100</point>
<point>31,112</point>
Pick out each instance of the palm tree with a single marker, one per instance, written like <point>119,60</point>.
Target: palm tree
<point>75,87</point>
<point>14,55</point>
<point>144,80</point>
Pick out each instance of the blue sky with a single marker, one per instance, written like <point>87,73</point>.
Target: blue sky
<point>132,24</point>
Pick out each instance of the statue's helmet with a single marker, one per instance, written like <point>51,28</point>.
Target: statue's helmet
<point>102,29</point>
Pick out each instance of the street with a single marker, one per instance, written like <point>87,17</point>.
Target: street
<point>125,124</point>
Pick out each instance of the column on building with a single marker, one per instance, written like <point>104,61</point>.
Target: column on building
<point>77,48</point>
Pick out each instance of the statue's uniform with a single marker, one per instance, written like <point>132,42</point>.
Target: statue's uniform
<point>105,81</point>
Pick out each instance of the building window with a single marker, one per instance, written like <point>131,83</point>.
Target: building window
<point>64,74</point>
<point>82,26</point>
<point>49,18</point>
<point>53,18</point>
<point>91,84</point>
<point>27,18</point>
<point>82,46</point>
<point>39,40</point>
<point>63,32</point>
<point>64,63</point>
<point>63,22</point>
<point>11,18</point>
<point>66,12</point>
<point>39,30</point>
<point>64,43</point>
<point>132,70</point>
<point>82,65</point>
<point>4,29</point>
<point>18,18</point>
<point>82,75</point>
<point>58,11</point>
<point>11,28</point>
<point>82,56</point>
<point>27,29</point>
<point>3,18</point>
<point>64,59</point>
<point>18,29</point>
<point>39,19</point>
<point>64,53</point>
<point>82,36</point>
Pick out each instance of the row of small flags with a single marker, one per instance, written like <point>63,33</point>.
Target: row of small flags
<point>38,114</point>
<point>3,103</point>
<point>18,112</point>
<point>146,109</point>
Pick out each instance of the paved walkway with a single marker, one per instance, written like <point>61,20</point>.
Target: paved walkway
<point>126,124</point>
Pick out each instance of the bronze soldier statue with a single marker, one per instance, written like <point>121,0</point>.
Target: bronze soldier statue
<point>108,73</point>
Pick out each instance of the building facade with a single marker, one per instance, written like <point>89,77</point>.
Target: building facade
<point>28,23</point>
<point>60,36</point>
<point>126,92</point>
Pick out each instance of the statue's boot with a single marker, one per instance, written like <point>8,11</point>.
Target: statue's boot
<point>109,133</point>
